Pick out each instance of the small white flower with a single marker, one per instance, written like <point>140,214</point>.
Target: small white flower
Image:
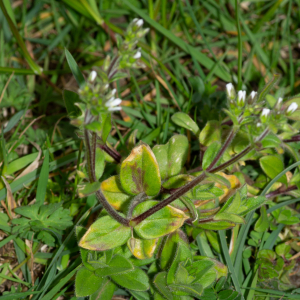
<point>292,108</point>
<point>106,86</point>
<point>140,22</point>
<point>230,91</point>
<point>241,98</point>
<point>265,112</point>
<point>258,124</point>
<point>113,104</point>
<point>113,92</point>
<point>92,76</point>
<point>253,94</point>
<point>135,20</point>
<point>279,101</point>
<point>137,55</point>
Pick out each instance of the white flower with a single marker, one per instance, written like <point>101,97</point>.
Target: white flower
<point>253,94</point>
<point>140,22</point>
<point>135,20</point>
<point>113,104</point>
<point>264,115</point>
<point>292,108</point>
<point>258,124</point>
<point>230,91</point>
<point>137,55</point>
<point>265,112</point>
<point>92,76</point>
<point>279,101</point>
<point>113,92</point>
<point>241,98</point>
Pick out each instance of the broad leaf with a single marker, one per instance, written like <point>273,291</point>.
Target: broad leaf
<point>87,283</point>
<point>134,280</point>
<point>262,224</point>
<point>99,163</point>
<point>272,165</point>
<point>140,172</point>
<point>172,156</point>
<point>106,233</point>
<point>160,282</point>
<point>114,193</point>
<point>163,222</point>
<point>210,133</point>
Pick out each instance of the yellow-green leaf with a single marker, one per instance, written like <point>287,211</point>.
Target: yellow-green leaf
<point>140,172</point>
<point>142,249</point>
<point>114,193</point>
<point>160,223</point>
<point>106,233</point>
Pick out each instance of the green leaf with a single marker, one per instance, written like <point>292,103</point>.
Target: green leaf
<point>88,189</point>
<point>99,163</point>
<point>105,126</point>
<point>105,292</point>
<point>262,95</point>
<point>216,225</point>
<point>140,172</point>
<point>75,69</point>
<point>163,222</point>
<point>118,264</point>
<point>219,179</point>
<point>106,233</point>
<point>169,249</point>
<point>140,295</point>
<point>114,193</point>
<point>229,217</point>
<point>142,249</point>
<point>43,181</point>
<point>210,154</point>
<point>262,224</point>
<point>13,121</point>
<point>87,283</point>
<point>272,165</point>
<point>185,121</point>
<point>160,282</point>
<point>134,280</point>
<point>210,133</point>
<point>70,98</point>
<point>250,204</point>
<point>172,156</point>
<point>193,290</point>
<point>94,126</point>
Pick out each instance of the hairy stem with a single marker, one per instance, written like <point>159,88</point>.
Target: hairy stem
<point>281,191</point>
<point>90,156</point>
<point>111,152</point>
<point>135,201</point>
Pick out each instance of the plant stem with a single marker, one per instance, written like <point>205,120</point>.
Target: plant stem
<point>295,138</point>
<point>281,191</point>
<point>90,156</point>
<point>111,152</point>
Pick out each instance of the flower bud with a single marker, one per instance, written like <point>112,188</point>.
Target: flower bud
<point>230,91</point>
<point>292,108</point>
<point>92,76</point>
<point>264,115</point>
<point>241,98</point>
<point>137,55</point>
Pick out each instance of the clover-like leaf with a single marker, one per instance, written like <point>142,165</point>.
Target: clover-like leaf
<point>172,156</point>
<point>114,193</point>
<point>163,222</point>
<point>142,249</point>
<point>140,172</point>
<point>106,233</point>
